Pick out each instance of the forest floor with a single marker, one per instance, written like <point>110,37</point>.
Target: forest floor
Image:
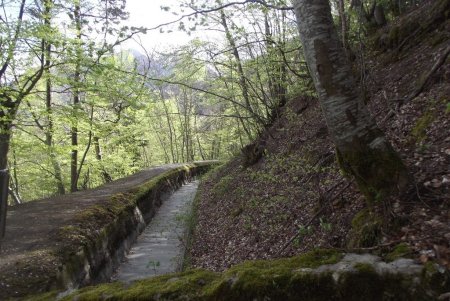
<point>295,198</point>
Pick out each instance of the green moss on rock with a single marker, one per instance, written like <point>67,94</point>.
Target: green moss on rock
<point>298,278</point>
<point>399,251</point>
<point>170,287</point>
<point>317,258</point>
<point>366,229</point>
<point>436,278</point>
<point>376,167</point>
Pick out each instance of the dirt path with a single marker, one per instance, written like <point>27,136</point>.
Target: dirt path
<point>28,226</point>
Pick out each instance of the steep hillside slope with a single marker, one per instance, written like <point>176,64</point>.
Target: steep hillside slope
<point>285,194</point>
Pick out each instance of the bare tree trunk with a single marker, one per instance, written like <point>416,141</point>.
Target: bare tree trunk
<point>363,150</point>
<point>240,70</point>
<point>344,26</point>
<point>200,149</point>
<point>15,197</point>
<point>48,104</point>
<point>76,103</point>
<point>187,103</point>
<point>8,111</point>
<point>10,99</point>
<point>88,146</point>
<point>4,179</point>
<point>276,71</point>
<point>14,181</point>
<point>241,120</point>
<point>98,155</point>
<point>170,125</point>
<point>161,142</point>
<point>379,15</point>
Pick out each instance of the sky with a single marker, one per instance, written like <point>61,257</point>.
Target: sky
<point>148,14</point>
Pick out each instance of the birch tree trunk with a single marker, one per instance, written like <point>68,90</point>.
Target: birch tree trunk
<point>362,148</point>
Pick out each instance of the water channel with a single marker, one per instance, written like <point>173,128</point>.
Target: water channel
<point>160,247</point>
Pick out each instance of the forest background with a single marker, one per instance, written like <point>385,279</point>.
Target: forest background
<point>81,107</point>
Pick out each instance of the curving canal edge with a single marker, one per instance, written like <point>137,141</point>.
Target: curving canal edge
<point>67,242</point>
<point>97,261</point>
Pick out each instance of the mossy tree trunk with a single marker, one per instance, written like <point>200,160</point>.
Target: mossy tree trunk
<point>363,150</point>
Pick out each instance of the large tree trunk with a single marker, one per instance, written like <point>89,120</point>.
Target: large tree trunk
<point>98,154</point>
<point>4,176</point>
<point>362,148</point>
<point>8,110</point>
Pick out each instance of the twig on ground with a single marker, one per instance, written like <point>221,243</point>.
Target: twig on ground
<point>426,76</point>
<point>422,83</point>
<point>319,163</point>
<point>314,217</point>
<point>405,40</point>
<point>382,245</point>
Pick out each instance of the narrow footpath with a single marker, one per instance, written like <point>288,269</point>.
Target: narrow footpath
<point>160,248</point>
<point>29,226</point>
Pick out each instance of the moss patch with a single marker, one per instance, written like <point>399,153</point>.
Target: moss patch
<point>377,168</point>
<point>250,280</point>
<point>436,280</point>
<point>366,229</point>
<point>170,287</point>
<point>399,251</point>
<point>418,133</point>
<point>283,279</point>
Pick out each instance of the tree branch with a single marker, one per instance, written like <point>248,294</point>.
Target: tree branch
<point>14,41</point>
<point>218,8</point>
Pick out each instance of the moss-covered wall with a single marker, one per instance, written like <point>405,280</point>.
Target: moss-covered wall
<point>88,247</point>
<point>318,275</point>
<point>99,252</point>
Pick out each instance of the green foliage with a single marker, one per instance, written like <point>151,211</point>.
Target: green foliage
<point>126,120</point>
<point>327,227</point>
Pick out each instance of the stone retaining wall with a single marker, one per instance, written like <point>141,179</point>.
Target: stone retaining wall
<point>321,275</point>
<point>71,241</point>
<point>96,260</point>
